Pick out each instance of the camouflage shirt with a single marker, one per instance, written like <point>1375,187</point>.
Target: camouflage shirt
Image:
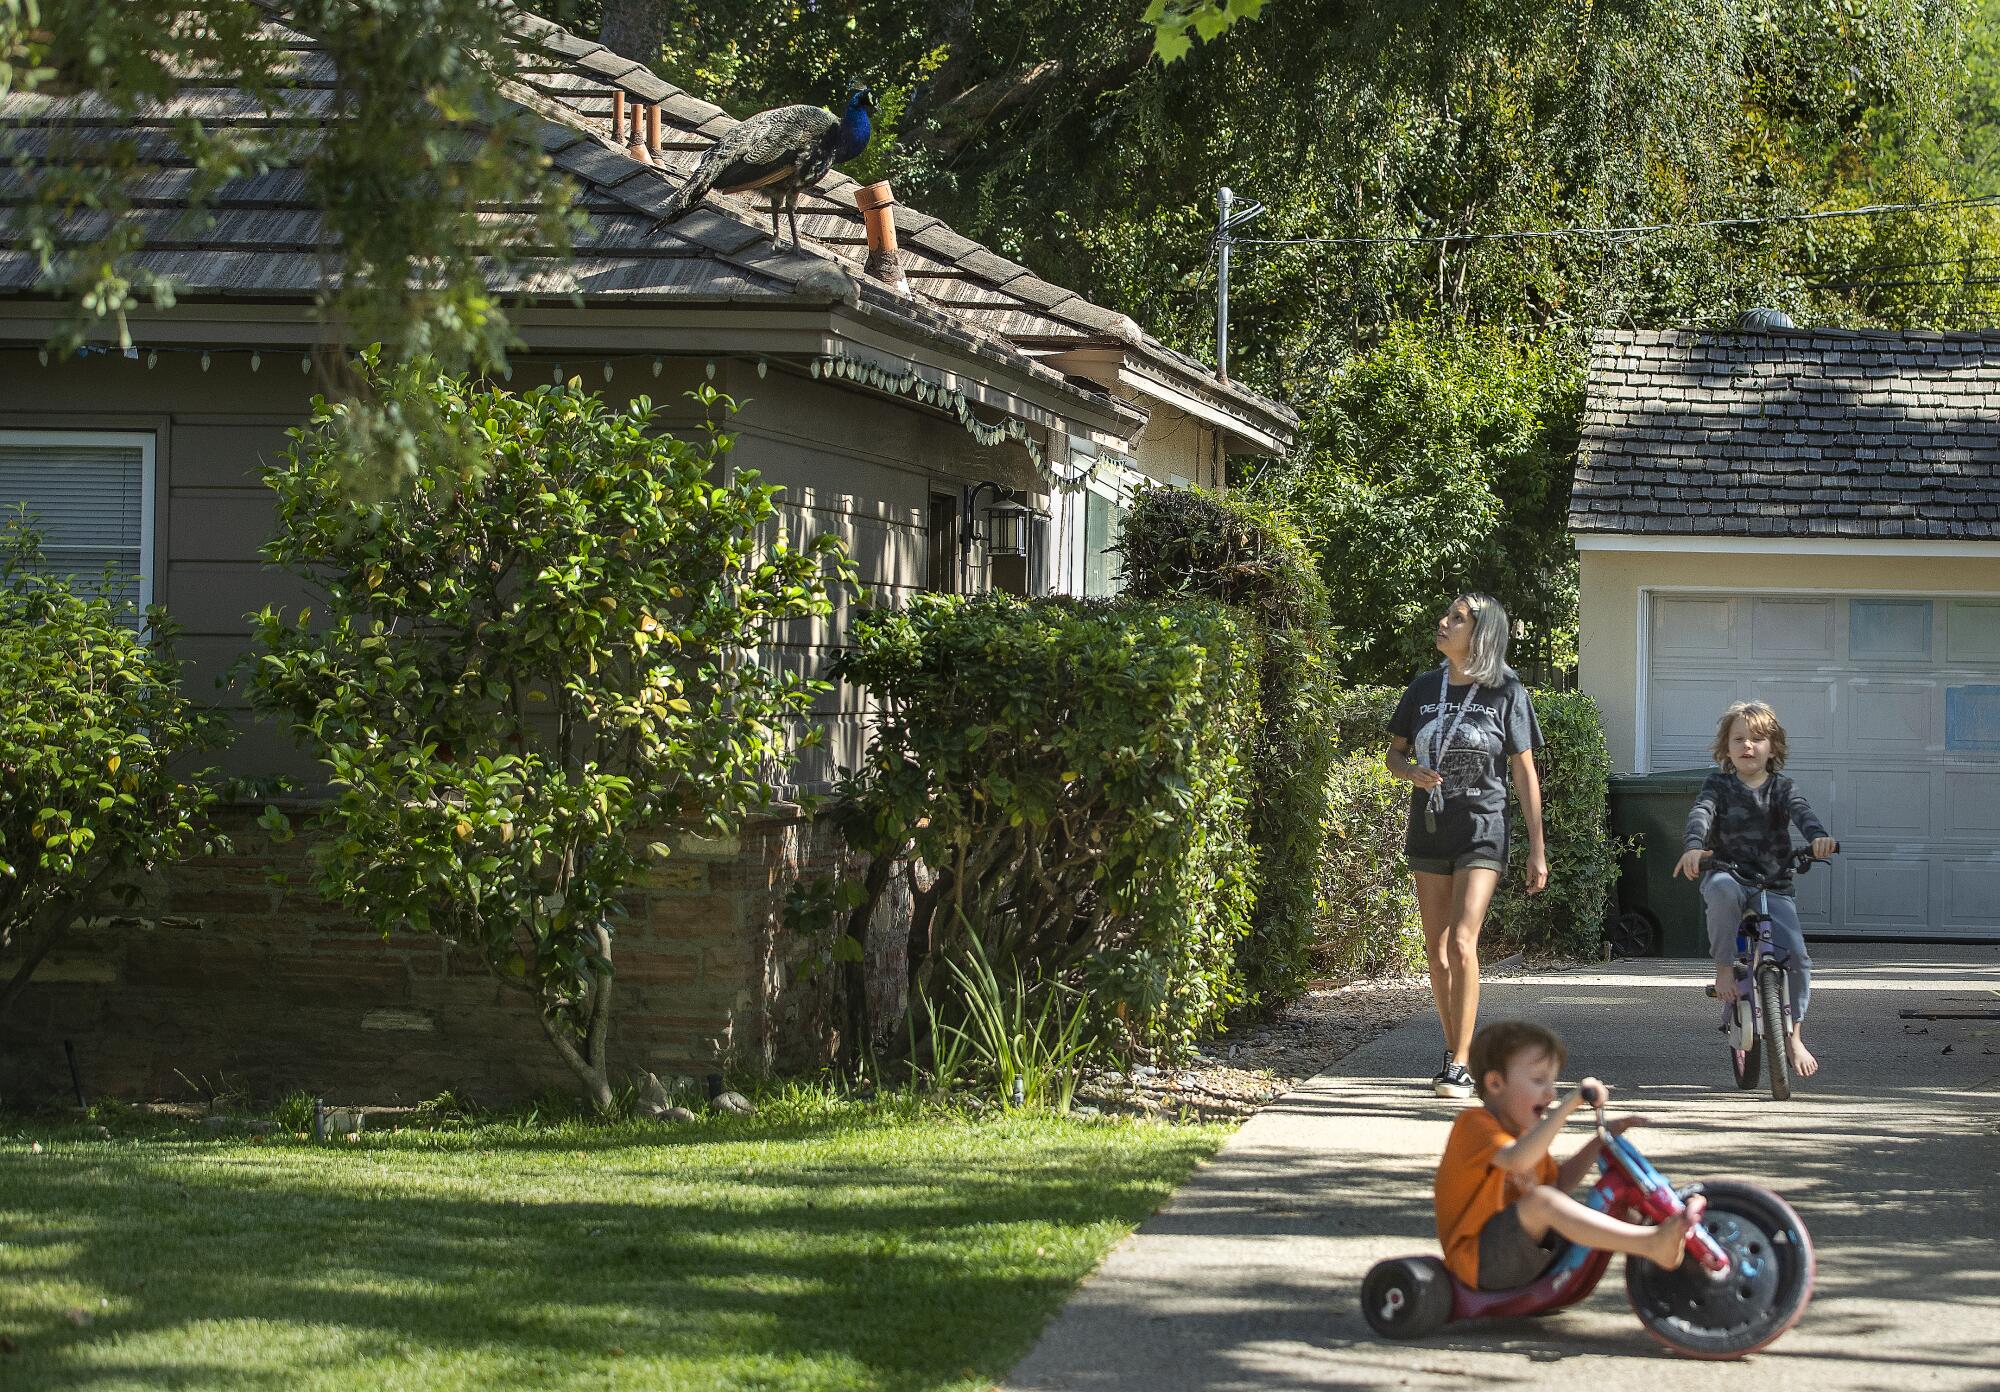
<point>1751,827</point>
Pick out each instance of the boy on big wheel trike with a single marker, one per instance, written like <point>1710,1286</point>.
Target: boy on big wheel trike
<point>1744,815</point>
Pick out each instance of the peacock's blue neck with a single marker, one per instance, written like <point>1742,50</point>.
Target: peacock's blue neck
<point>854,132</point>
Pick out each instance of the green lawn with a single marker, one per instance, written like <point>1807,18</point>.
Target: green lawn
<point>817,1245</point>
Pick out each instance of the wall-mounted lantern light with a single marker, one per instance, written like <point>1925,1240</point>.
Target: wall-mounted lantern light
<point>1006,529</point>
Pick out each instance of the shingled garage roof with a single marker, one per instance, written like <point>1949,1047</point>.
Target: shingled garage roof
<point>1791,433</point>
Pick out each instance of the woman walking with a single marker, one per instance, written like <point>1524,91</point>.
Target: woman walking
<point>1456,734</point>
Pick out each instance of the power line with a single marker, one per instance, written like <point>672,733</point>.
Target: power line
<point>1631,230</point>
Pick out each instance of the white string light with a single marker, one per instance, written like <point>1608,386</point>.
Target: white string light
<point>256,360</point>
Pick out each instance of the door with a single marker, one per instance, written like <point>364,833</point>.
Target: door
<point>1891,705</point>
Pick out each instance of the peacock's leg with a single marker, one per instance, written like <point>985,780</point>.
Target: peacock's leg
<point>776,203</point>
<point>792,212</point>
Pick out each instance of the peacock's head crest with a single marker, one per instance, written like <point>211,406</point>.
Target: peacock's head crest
<point>860,97</point>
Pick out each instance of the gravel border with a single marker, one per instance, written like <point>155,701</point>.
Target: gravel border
<point>1257,1063</point>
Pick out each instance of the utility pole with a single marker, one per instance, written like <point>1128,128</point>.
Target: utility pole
<point>1228,219</point>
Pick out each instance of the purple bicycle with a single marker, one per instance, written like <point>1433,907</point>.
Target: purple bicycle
<point>1759,1020</point>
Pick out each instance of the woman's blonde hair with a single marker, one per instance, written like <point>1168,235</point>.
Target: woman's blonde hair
<point>1486,659</point>
<point>1763,723</point>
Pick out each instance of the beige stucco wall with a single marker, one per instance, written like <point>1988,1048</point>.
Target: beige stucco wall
<point>1175,447</point>
<point>1611,582</point>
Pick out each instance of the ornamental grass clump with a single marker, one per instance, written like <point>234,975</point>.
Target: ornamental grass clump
<point>540,649</point>
<point>1061,783</point>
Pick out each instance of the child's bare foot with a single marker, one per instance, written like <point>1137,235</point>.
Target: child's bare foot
<point>1803,1062</point>
<point>1725,984</point>
<point>1670,1238</point>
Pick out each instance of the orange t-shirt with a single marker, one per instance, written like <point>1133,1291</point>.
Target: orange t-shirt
<point>1471,1188</point>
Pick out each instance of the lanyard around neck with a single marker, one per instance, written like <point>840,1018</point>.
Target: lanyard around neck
<point>1442,733</point>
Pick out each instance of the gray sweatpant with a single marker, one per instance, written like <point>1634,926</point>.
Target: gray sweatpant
<point>1726,897</point>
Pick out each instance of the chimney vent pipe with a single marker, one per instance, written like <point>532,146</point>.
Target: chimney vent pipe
<point>885,261</point>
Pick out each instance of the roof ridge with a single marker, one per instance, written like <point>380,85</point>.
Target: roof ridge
<point>925,232</point>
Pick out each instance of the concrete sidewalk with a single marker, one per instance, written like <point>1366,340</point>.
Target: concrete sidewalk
<point>1248,1278</point>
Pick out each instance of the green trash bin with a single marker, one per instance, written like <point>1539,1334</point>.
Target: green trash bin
<point>1652,809</point>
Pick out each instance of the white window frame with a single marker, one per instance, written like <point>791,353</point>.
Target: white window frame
<point>148,442</point>
<point>1105,474</point>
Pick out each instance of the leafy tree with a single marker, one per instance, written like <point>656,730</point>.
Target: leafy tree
<point>1436,466</point>
<point>1396,135</point>
<point>536,653</point>
<point>94,738</point>
<point>417,140</point>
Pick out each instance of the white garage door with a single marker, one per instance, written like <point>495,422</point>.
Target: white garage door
<point>1892,707</point>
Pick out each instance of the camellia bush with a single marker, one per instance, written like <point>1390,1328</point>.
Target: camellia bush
<point>536,653</point>
<point>94,738</point>
<point>1067,773</point>
<point>1186,543</point>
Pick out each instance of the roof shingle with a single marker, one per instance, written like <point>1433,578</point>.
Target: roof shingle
<point>1791,433</point>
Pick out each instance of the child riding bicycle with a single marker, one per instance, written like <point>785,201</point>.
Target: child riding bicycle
<point>1743,817</point>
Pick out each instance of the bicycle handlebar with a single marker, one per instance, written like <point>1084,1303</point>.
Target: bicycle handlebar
<point>1802,862</point>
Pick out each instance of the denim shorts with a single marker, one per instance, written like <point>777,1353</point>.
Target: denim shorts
<point>1472,858</point>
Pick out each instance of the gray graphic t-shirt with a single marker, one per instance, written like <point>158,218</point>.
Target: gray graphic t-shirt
<point>1499,722</point>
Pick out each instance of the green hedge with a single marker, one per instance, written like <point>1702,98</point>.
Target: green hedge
<point>1070,772</point>
<point>1365,922</point>
<point>1181,543</point>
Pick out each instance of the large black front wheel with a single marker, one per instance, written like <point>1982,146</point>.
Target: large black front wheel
<point>1771,1005</point>
<point>1769,1282</point>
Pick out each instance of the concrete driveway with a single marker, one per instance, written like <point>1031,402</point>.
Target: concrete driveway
<point>1248,1277</point>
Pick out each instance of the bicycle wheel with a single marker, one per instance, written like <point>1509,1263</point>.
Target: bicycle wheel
<point>1770,1278</point>
<point>1771,1006</point>
<point>1747,1064</point>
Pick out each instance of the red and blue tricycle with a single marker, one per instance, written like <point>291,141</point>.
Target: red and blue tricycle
<point>1745,1276</point>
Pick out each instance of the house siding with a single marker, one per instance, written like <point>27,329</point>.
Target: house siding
<point>231,974</point>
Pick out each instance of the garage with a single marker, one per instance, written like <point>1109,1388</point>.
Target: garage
<point>1892,707</point>
<point>1809,517</point>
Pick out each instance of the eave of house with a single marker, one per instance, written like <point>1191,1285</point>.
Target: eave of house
<point>1112,365</point>
<point>1659,543</point>
<point>668,327</point>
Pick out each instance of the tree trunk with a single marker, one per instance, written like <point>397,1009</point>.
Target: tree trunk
<point>48,929</point>
<point>588,1063</point>
<point>635,28</point>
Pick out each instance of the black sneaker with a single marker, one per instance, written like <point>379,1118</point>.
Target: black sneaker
<point>1452,1081</point>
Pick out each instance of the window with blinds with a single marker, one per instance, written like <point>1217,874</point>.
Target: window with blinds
<point>90,496</point>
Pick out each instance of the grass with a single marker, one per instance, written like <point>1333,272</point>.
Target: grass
<point>820,1244</point>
